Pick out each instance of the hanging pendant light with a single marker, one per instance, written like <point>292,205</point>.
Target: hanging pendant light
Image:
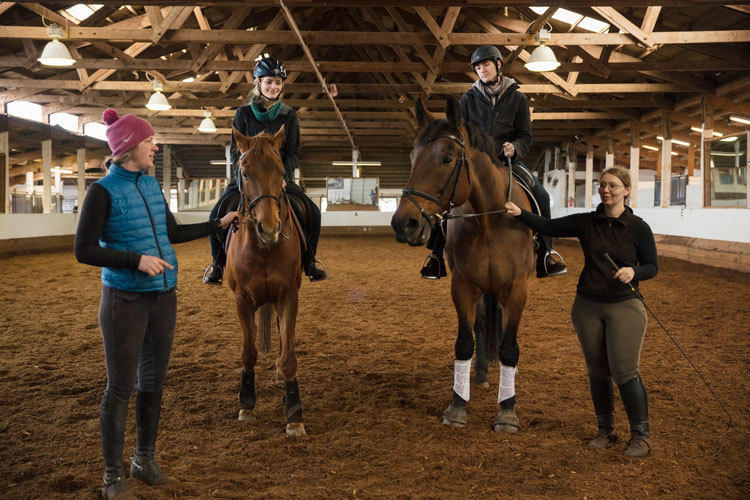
<point>542,58</point>
<point>55,53</point>
<point>207,125</point>
<point>158,101</point>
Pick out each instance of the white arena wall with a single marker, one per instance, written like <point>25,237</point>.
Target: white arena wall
<point>718,237</point>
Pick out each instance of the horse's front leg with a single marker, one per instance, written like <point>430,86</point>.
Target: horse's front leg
<point>286,310</point>
<point>246,312</point>
<point>465,297</point>
<point>506,419</point>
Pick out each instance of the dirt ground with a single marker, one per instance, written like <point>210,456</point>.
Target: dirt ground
<point>375,351</point>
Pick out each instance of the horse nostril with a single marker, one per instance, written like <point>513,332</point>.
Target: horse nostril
<point>411,224</point>
<point>260,228</point>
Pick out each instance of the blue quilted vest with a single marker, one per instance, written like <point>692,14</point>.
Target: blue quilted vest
<point>137,222</point>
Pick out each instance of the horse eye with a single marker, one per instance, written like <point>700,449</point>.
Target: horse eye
<point>447,160</point>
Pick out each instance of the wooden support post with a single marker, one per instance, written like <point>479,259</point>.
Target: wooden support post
<point>589,173</point>
<point>609,155</point>
<point>707,109</point>
<point>47,176</point>
<point>228,156</point>
<point>558,163</point>
<point>5,166</point>
<point>167,171</point>
<point>666,159</point>
<point>81,159</point>
<point>635,161</point>
<point>180,190</point>
<point>571,173</point>
<point>691,161</point>
<point>547,160</point>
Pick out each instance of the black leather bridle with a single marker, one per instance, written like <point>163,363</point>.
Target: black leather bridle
<point>455,177</point>
<point>257,199</point>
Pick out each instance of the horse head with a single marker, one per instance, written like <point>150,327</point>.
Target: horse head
<point>260,180</point>
<point>439,178</point>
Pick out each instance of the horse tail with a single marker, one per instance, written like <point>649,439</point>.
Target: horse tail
<point>264,327</point>
<point>488,328</point>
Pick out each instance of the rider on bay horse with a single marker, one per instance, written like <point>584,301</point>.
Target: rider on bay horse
<point>495,105</point>
<point>267,113</point>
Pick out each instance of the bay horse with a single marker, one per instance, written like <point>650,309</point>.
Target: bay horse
<point>264,270</point>
<point>453,177</point>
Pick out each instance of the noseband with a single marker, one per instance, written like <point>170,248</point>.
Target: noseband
<point>454,177</point>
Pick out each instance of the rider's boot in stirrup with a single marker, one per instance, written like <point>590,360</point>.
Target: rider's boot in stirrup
<point>433,267</point>
<point>213,275</point>
<point>316,271</point>
<point>547,265</point>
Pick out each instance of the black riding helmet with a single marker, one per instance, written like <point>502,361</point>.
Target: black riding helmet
<point>269,66</point>
<point>486,53</point>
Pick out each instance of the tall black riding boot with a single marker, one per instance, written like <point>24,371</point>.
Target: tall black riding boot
<point>636,405</point>
<point>112,416</point>
<point>602,395</point>
<point>143,465</point>
<point>433,267</point>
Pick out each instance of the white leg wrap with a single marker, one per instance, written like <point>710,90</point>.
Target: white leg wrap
<point>507,383</point>
<point>462,378</point>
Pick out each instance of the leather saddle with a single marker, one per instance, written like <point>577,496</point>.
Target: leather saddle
<point>526,180</point>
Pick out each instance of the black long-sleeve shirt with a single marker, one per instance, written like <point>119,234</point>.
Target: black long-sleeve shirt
<point>248,125</point>
<point>93,217</point>
<point>627,239</point>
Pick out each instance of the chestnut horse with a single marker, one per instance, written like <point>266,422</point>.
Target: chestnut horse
<point>264,270</point>
<point>489,253</point>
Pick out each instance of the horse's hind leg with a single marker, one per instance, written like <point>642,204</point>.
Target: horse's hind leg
<point>286,310</point>
<point>465,297</point>
<point>246,313</point>
<point>506,419</point>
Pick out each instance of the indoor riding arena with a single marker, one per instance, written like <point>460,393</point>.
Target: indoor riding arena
<point>659,88</point>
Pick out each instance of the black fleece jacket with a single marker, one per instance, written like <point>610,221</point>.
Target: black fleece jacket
<point>509,120</point>
<point>247,124</point>
<point>627,239</point>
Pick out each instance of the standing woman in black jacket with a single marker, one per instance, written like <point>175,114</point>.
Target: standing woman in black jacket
<point>609,320</point>
<point>267,113</point>
<point>495,105</point>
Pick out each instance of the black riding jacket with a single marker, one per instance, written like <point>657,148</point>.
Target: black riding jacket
<point>509,120</point>
<point>627,239</point>
<point>247,124</point>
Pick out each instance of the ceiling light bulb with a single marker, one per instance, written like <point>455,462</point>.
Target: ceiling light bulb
<point>207,125</point>
<point>158,101</point>
<point>542,58</point>
<point>55,53</point>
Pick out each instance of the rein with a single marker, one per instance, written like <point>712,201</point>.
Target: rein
<point>445,214</point>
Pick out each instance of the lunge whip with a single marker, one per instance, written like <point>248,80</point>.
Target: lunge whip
<point>640,297</point>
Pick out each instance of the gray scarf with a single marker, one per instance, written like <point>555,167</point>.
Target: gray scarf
<point>493,92</point>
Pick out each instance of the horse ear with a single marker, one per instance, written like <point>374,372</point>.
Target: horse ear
<point>278,138</point>
<point>241,140</point>
<point>423,116</point>
<point>453,111</point>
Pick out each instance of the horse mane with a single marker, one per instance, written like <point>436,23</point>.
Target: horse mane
<point>478,138</point>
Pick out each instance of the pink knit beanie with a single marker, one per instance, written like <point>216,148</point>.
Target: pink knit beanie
<point>125,132</point>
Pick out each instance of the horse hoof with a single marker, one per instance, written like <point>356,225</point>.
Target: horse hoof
<point>246,416</point>
<point>278,378</point>
<point>455,416</point>
<point>506,421</point>
<point>295,429</point>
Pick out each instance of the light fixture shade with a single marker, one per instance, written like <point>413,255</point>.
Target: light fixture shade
<point>740,119</point>
<point>55,53</point>
<point>542,59</point>
<point>207,125</point>
<point>158,102</point>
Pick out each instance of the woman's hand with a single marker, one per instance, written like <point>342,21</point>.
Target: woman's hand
<point>509,150</point>
<point>625,274</point>
<point>228,219</point>
<point>153,265</point>
<point>512,209</point>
